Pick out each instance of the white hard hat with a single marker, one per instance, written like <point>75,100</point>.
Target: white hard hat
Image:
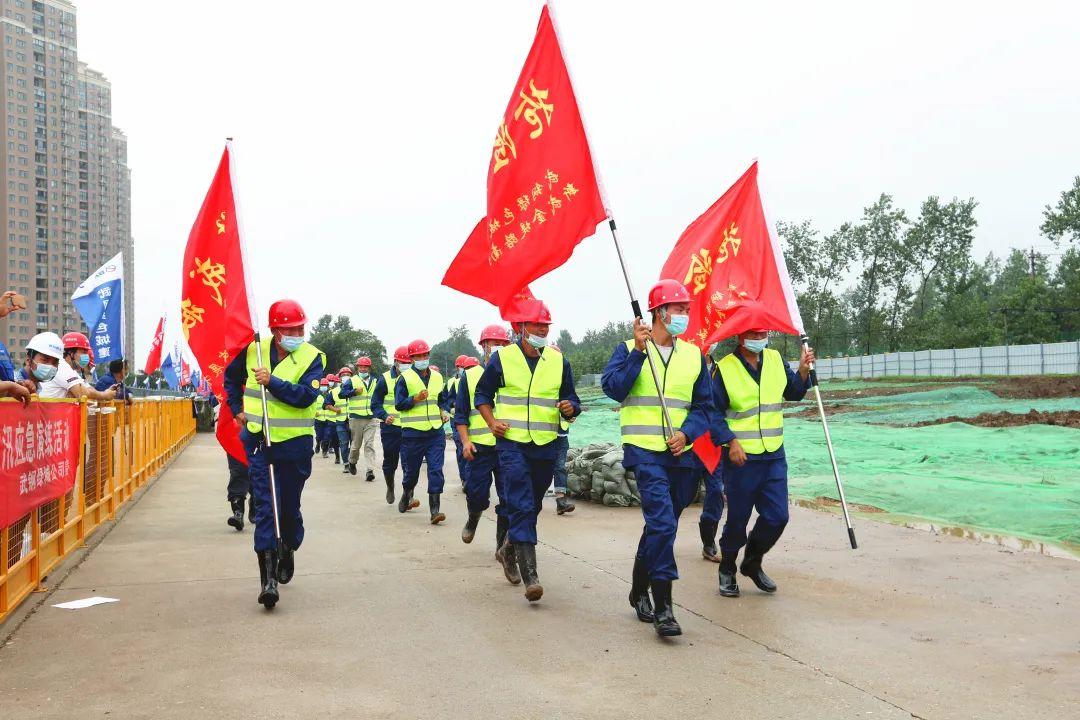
<point>47,343</point>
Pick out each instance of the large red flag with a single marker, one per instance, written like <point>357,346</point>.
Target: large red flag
<point>153,360</point>
<point>215,309</point>
<point>542,194</point>
<point>731,262</point>
<point>512,309</point>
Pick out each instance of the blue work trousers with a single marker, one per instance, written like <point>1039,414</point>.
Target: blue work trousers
<point>290,474</point>
<point>665,492</point>
<point>562,445</point>
<point>458,454</point>
<point>712,507</point>
<point>525,480</point>
<point>417,448</point>
<point>480,473</point>
<point>342,429</point>
<point>761,485</point>
<point>390,436</point>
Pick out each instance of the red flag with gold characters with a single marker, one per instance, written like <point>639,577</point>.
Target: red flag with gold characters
<point>215,305</point>
<point>731,262</point>
<point>153,360</point>
<point>511,310</point>
<point>543,197</point>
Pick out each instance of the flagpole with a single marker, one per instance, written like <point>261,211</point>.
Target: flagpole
<point>258,345</point>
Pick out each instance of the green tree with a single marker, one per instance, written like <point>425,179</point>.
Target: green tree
<point>1022,297</point>
<point>1063,221</point>
<point>877,242</point>
<point>343,343</point>
<point>1067,294</point>
<point>445,352</point>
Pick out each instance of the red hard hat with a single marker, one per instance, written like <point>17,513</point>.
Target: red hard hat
<point>364,361</point>
<point>324,382</point>
<point>418,347</point>
<point>495,332</point>
<point>667,291</point>
<point>470,362</point>
<point>333,378</point>
<point>402,354</point>
<point>460,362</point>
<point>75,341</point>
<point>344,370</point>
<point>287,314</point>
<point>533,310</point>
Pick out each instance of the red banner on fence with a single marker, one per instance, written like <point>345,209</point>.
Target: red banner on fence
<point>39,455</point>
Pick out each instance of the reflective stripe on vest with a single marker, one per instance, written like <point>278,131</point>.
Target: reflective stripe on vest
<point>389,406</point>
<point>320,408</point>
<point>641,415</point>
<point>286,421</point>
<point>755,412</point>
<point>528,402</point>
<point>479,432</point>
<point>426,414</point>
<point>360,403</point>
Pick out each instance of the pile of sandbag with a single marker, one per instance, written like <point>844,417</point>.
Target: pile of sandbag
<point>596,473</point>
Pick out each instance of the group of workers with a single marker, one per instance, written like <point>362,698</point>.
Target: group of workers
<point>510,410</point>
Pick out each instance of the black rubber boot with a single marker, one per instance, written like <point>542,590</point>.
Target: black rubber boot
<point>433,504</point>
<point>352,468</point>
<point>469,531</point>
<point>404,502</point>
<point>664,618</point>
<point>707,528</point>
<point>563,505</point>
<point>237,519</point>
<point>751,567</point>
<point>251,509</point>
<point>268,595</point>
<point>502,526</point>
<point>639,592</point>
<point>370,476</point>
<point>526,561</point>
<point>286,565</point>
<point>729,586</point>
<point>389,477</point>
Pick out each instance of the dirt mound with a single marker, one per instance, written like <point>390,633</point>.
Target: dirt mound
<point>1061,418</point>
<point>1020,386</point>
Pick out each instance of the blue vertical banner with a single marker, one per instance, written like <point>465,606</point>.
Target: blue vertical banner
<point>100,302</point>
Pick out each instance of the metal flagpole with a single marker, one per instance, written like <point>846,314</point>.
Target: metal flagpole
<point>832,454</point>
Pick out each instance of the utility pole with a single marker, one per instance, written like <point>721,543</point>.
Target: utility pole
<point>1032,256</point>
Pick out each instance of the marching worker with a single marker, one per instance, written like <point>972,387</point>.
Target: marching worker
<point>341,416</point>
<point>421,398</point>
<point>712,505</point>
<point>390,429</point>
<point>332,413</point>
<point>563,504</point>
<point>658,453</point>
<point>452,386</point>
<point>750,389</point>
<point>531,387</point>
<point>362,424</point>
<point>237,492</point>
<point>321,414</point>
<point>289,370</point>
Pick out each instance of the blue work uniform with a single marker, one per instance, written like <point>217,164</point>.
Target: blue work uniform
<point>483,470</point>
<point>459,380</point>
<point>419,445</point>
<point>106,381</point>
<point>389,435</point>
<point>291,459</point>
<point>339,429</point>
<point>7,369</point>
<point>712,507</point>
<point>526,468</point>
<point>762,481</point>
<point>666,482</point>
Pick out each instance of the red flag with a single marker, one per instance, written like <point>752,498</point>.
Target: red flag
<point>153,360</point>
<point>215,310</point>
<point>542,194</point>
<point>731,263</point>
<point>511,310</point>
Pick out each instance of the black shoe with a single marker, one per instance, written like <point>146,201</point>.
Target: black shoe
<point>469,531</point>
<point>389,488</point>
<point>337,461</point>
<point>639,592</point>
<point>352,468</point>
<point>751,568</point>
<point>707,528</point>
<point>433,503</point>
<point>729,586</point>
<point>251,509</point>
<point>506,556</point>
<point>370,477</point>
<point>286,565</point>
<point>563,505</point>
<point>268,595</point>
<point>526,561</point>
<point>664,619</point>
<point>237,519</point>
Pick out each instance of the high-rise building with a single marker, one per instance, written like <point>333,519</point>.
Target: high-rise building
<point>67,181</point>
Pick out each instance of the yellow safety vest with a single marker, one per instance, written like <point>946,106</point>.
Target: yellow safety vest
<point>342,405</point>
<point>360,403</point>
<point>479,432</point>
<point>528,402</point>
<point>286,421</point>
<point>320,408</point>
<point>426,414</point>
<point>641,416</point>
<point>388,399</point>
<point>451,386</point>
<point>755,413</point>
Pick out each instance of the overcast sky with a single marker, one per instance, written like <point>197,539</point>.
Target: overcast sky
<point>365,130</point>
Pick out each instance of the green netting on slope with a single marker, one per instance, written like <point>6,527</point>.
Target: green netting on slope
<point>1022,481</point>
<point>959,401</point>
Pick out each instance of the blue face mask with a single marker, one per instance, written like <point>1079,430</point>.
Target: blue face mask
<point>421,364</point>
<point>363,376</point>
<point>536,341</point>
<point>44,373</point>
<point>677,324</point>
<point>402,367</point>
<point>84,360</point>
<point>291,343</point>
<point>756,346</point>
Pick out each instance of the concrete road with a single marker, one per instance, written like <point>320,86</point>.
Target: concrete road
<point>390,617</point>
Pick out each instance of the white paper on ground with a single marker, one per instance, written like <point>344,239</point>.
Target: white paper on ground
<point>85,603</point>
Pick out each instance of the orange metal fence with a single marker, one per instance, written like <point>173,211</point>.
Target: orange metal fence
<point>122,446</point>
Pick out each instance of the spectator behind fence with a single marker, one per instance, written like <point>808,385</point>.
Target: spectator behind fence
<point>9,303</point>
<point>51,375</point>
<point>118,370</point>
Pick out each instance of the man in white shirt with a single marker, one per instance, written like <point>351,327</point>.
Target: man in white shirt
<point>64,382</point>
